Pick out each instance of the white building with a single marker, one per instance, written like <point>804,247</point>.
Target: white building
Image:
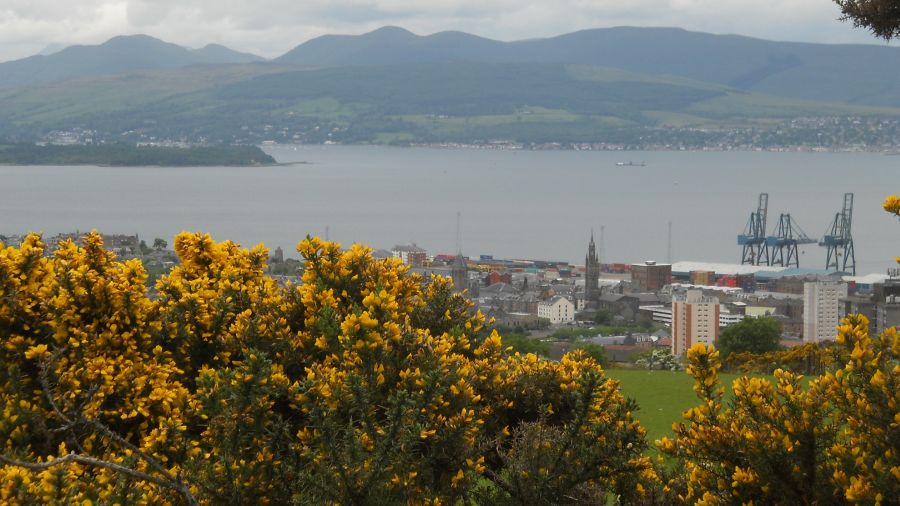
<point>695,319</point>
<point>557,310</point>
<point>727,318</point>
<point>821,310</point>
<point>663,314</point>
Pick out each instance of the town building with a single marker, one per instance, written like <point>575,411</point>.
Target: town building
<point>650,276</point>
<point>410,254</point>
<point>662,313</point>
<point>759,311</point>
<point>887,304</point>
<point>626,306</point>
<point>822,309</point>
<point>558,310</point>
<point>695,319</point>
<point>495,277</point>
<point>705,278</point>
<point>888,314</point>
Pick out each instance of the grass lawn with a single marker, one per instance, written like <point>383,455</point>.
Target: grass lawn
<point>661,395</point>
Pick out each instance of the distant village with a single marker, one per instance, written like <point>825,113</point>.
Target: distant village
<point>642,306</point>
<point>804,134</point>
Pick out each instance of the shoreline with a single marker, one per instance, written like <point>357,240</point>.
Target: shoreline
<point>581,147</point>
<point>106,165</point>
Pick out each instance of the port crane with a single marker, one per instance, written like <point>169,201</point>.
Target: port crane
<point>839,241</point>
<point>784,243</point>
<point>756,248</point>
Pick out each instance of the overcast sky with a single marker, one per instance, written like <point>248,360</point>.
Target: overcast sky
<point>271,27</point>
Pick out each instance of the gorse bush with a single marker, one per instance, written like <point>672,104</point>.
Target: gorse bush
<point>363,386</point>
<point>359,386</point>
<point>835,442</point>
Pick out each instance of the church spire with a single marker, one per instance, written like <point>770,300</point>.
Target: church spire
<point>591,271</point>
<point>459,272</point>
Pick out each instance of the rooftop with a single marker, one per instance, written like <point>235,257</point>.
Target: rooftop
<point>409,248</point>
<point>721,268</point>
<point>868,279</point>
<point>650,263</point>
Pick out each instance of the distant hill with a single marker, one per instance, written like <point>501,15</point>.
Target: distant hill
<point>416,102</point>
<point>392,45</point>
<point>219,54</point>
<point>852,74</point>
<point>115,56</point>
<point>856,74</point>
<point>623,86</point>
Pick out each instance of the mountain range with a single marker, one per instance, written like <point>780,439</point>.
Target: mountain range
<point>116,56</point>
<point>849,73</point>
<point>860,74</point>
<point>391,84</point>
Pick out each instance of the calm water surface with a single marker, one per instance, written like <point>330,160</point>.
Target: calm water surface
<point>520,204</point>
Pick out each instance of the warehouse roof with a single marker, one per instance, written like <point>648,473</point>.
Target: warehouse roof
<point>868,279</point>
<point>721,268</point>
<point>795,272</point>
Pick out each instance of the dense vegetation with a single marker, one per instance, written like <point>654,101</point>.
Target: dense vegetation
<point>751,335</point>
<point>466,89</point>
<point>359,386</point>
<point>834,442</point>
<point>121,154</point>
<point>574,333</point>
<point>882,17</point>
<point>362,386</point>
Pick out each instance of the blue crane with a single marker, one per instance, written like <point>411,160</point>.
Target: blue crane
<point>756,249</point>
<point>839,241</point>
<point>788,235</point>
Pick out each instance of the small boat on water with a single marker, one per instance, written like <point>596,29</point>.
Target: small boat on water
<point>630,164</point>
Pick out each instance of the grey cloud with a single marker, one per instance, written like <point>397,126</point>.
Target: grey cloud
<point>270,27</point>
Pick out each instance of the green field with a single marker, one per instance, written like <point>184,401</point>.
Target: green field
<point>661,395</point>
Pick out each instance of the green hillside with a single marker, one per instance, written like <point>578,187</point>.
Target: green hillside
<point>449,102</point>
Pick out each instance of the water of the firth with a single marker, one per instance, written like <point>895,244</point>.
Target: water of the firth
<point>514,204</point>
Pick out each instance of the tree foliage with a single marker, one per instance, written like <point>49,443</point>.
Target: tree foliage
<point>657,359</point>
<point>808,358</point>
<point>123,154</point>
<point>881,17</point>
<point>523,343</point>
<point>753,335</point>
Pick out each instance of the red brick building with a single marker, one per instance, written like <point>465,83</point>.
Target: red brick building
<point>650,276</point>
